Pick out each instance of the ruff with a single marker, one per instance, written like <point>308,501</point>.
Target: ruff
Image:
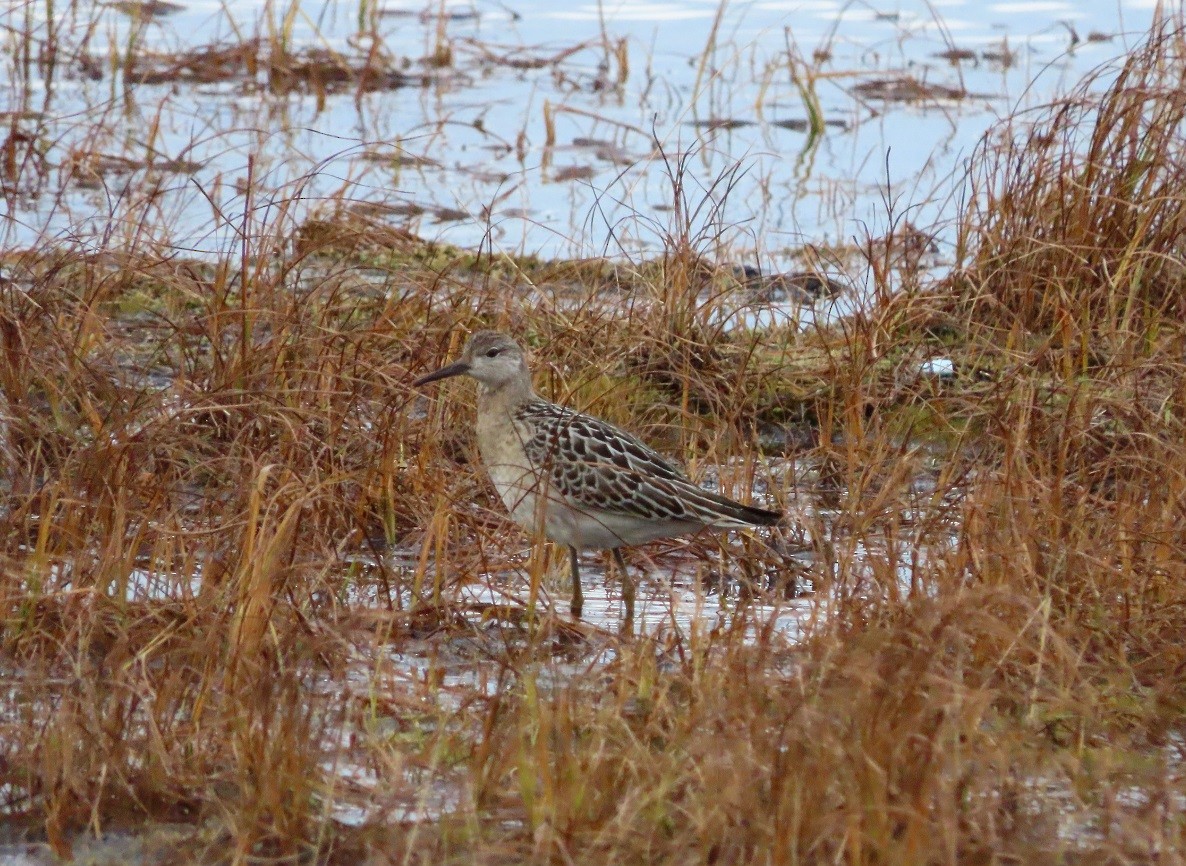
<point>575,479</point>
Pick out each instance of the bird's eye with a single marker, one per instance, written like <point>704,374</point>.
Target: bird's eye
<point>493,353</point>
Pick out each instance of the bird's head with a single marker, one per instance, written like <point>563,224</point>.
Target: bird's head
<point>491,357</point>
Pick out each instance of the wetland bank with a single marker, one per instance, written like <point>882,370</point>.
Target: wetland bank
<point>259,603</point>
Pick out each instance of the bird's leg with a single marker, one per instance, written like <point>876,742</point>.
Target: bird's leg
<point>578,600</point>
<point>627,589</point>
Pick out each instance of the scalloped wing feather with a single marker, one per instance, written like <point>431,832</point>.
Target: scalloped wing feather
<point>593,465</point>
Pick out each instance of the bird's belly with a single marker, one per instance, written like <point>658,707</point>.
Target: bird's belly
<point>533,505</point>
<point>601,530</point>
<point>518,487</point>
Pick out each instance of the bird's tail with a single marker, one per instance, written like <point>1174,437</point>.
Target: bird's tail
<point>734,515</point>
<point>760,516</point>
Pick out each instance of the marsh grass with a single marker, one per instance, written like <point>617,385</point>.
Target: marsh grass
<point>995,669</point>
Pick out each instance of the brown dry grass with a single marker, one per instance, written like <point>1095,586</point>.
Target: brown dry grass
<point>997,671</point>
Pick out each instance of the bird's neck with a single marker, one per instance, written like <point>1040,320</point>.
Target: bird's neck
<point>506,397</point>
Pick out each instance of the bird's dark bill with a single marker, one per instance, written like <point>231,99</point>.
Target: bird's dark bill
<point>457,368</point>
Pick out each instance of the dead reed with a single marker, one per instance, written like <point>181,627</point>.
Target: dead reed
<point>192,634</point>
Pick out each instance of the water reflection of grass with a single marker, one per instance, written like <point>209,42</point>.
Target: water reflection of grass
<point>431,115</point>
<point>1014,694</point>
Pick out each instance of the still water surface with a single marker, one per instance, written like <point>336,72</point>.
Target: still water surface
<point>546,127</point>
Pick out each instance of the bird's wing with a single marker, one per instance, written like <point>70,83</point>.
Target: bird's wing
<point>593,464</point>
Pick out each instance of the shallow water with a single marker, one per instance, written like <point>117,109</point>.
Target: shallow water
<point>466,158</point>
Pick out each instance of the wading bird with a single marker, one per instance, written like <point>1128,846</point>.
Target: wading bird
<point>575,479</point>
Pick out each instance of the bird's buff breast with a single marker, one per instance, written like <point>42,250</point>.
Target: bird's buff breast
<point>510,471</point>
<point>524,491</point>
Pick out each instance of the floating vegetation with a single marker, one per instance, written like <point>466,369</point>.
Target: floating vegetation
<point>906,89</point>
